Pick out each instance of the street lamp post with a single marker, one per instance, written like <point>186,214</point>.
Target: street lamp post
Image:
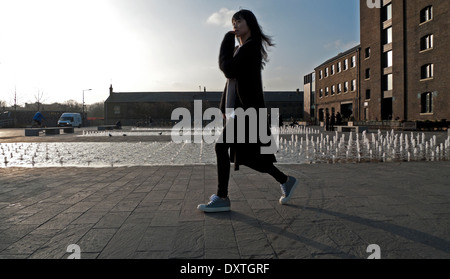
<point>84,116</point>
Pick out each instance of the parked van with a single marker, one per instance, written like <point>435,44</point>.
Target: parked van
<point>70,120</point>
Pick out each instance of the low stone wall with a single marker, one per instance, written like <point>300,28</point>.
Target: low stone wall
<point>23,119</point>
<point>441,125</point>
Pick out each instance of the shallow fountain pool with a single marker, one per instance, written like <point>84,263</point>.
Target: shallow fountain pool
<point>295,147</point>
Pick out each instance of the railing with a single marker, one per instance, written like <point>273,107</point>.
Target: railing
<point>387,124</point>
<point>406,125</point>
<point>6,123</point>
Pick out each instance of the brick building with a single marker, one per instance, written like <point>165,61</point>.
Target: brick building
<point>337,85</point>
<point>133,107</point>
<point>400,71</point>
<point>309,99</point>
<point>405,60</point>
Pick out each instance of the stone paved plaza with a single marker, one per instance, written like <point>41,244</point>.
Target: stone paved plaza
<point>150,212</point>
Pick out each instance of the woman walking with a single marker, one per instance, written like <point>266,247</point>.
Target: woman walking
<point>242,67</point>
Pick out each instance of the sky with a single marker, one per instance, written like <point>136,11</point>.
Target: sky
<point>55,50</point>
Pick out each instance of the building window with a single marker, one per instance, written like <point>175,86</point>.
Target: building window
<point>387,83</point>
<point>339,64</point>
<point>346,87</point>
<point>387,12</point>
<point>333,90</point>
<point>426,42</point>
<point>426,14</point>
<point>387,36</point>
<point>326,92</point>
<point>339,88</point>
<point>353,61</point>
<point>354,85</point>
<point>367,75</point>
<point>320,74</point>
<point>387,59</point>
<point>345,64</point>
<point>368,94</point>
<point>366,113</point>
<point>427,71</point>
<point>332,69</point>
<point>426,102</point>
<point>116,109</point>
<point>367,53</point>
<point>321,93</point>
<point>326,72</point>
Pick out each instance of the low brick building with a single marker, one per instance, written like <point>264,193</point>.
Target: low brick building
<point>136,108</point>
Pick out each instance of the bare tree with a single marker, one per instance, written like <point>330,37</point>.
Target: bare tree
<point>72,105</point>
<point>39,97</point>
<point>15,104</point>
<point>96,109</point>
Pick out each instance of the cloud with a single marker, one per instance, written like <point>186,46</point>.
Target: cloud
<point>340,45</point>
<point>221,18</point>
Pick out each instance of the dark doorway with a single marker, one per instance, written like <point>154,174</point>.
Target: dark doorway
<point>386,109</point>
<point>347,111</point>
<point>321,115</point>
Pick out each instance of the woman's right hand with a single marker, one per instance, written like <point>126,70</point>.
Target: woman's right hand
<point>230,34</point>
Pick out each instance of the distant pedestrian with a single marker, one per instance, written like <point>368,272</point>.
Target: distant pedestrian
<point>38,119</point>
<point>332,121</point>
<point>338,118</point>
<point>242,67</point>
<point>327,121</point>
<point>119,125</point>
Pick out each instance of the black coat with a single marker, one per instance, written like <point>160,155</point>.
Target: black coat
<point>245,67</point>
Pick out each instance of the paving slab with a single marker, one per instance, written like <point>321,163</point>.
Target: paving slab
<point>150,212</point>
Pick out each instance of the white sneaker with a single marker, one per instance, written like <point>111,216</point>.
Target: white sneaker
<point>287,189</point>
<point>216,204</point>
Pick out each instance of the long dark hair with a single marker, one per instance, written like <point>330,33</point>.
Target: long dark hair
<point>257,33</point>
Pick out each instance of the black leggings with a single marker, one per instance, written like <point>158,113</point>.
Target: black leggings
<point>223,169</point>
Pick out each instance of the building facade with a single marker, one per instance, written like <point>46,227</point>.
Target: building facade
<point>337,86</point>
<point>404,73</point>
<point>135,108</point>
<point>309,100</point>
